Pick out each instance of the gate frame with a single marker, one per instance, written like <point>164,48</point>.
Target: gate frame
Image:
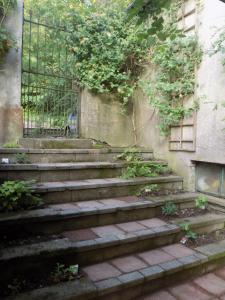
<point>78,90</point>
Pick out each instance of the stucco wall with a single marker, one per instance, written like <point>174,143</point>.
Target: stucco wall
<point>102,119</point>
<point>210,137</point>
<point>11,121</point>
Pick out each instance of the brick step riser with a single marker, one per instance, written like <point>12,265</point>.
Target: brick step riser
<point>68,158</point>
<point>62,175</point>
<point>132,288</point>
<point>61,224</point>
<point>46,262</point>
<point>145,288</point>
<point>65,196</point>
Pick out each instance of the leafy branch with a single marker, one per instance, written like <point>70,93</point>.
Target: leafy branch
<point>175,58</point>
<point>6,41</point>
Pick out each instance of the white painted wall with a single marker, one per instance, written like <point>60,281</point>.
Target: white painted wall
<point>210,137</point>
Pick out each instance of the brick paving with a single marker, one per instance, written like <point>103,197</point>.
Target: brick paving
<point>207,287</point>
<point>118,230</point>
<point>131,263</point>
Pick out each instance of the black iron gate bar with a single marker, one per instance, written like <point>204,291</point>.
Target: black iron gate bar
<point>50,99</point>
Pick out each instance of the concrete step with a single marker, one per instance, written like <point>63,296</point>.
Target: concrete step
<point>68,155</point>
<point>207,286</point>
<point>130,277</point>
<point>88,246</point>
<point>205,223</point>
<point>97,244</point>
<point>56,219</point>
<point>55,143</point>
<point>65,171</point>
<point>83,190</point>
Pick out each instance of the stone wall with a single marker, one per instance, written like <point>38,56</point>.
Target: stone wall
<point>209,124</point>
<point>102,119</point>
<point>11,121</point>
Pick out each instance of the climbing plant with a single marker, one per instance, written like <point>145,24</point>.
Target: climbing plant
<point>106,48</point>
<point>6,41</point>
<point>175,58</point>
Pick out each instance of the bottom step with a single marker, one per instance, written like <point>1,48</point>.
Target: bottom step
<point>133,276</point>
<point>205,287</point>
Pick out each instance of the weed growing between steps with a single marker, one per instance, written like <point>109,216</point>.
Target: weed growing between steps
<point>137,168</point>
<point>206,238</point>
<point>154,190</point>
<point>18,195</point>
<point>60,273</point>
<point>22,158</point>
<point>11,145</point>
<point>170,210</point>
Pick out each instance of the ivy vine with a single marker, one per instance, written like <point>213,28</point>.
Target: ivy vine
<point>6,41</point>
<point>108,54</point>
<point>175,59</point>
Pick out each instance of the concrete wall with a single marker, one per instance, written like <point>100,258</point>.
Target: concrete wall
<point>11,121</point>
<point>210,137</point>
<point>102,119</point>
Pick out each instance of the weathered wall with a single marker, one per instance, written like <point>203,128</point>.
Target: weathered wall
<point>210,137</point>
<point>102,119</point>
<point>11,121</point>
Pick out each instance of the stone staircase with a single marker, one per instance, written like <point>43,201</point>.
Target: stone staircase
<point>94,218</point>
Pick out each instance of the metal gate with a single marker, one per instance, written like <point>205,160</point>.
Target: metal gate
<point>50,97</point>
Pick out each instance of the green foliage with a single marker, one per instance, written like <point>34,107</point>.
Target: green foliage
<point>138,168</point>
<point>151,188</point>
<point>22,158</point>
<point>6,41</point>
<point>175,58</point>
<point>201,202</point>
<point>188,232</point>
<point>105,53</point>
<point>219,47</point>
<point>63,273</point>
<point>169,209</point>
<point>11,145</point>
<point>18,195</point>
<point>145,8</point>
<point>129,154</point>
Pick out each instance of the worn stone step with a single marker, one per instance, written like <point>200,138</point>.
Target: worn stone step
<point>97,244</point>
<point>82,190</point>
<point>65,171</point>
<point>69,155</point>
<point>55,219</point>
<point>208,222</point>
<point>88,246</point>
<point>132,276</point>
<point>55,143</point>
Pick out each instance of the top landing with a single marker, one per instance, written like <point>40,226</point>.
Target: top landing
<point>55,143</point>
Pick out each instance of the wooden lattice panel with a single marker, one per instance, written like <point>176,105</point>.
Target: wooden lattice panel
<point>183,136</point>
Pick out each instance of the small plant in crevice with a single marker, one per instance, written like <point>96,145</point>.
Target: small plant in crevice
<point>130,154</point>
<point>11,145</point>
<point>169,209</point>
<point>18,195</point>
<point>201,202</point>
<point>22,158</point>
<point>64,273</point>
<point>150,188</point>
<point>137,167</point>
<point>189,234</point>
